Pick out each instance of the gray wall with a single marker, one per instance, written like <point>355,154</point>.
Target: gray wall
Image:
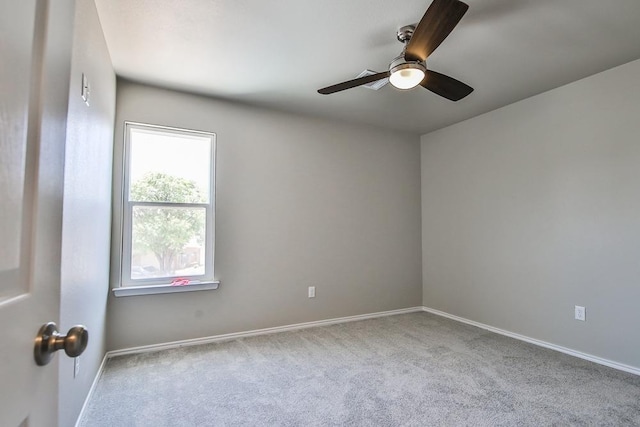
<point>86,207</point>
<point>300,202</point>
<point>534,208</point>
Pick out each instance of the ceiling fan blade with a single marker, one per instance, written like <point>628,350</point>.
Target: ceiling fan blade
<point>353,83</point>
<point>445,86</point>
<point>439,20</point>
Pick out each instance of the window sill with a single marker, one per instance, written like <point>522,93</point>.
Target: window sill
<point>130,291</point>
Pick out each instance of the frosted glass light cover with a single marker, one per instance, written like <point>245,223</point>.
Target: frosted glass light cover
<point>406,78</point>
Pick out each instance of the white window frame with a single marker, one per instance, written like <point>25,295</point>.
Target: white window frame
<point>130,287</point>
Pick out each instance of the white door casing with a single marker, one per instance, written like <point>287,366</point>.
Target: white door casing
<point>35,59</point>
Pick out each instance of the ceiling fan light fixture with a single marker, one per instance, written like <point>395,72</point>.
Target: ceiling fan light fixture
<point>406,75</point>
<point>409,69</point>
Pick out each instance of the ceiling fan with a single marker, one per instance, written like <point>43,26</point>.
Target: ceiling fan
<point>409,69</point>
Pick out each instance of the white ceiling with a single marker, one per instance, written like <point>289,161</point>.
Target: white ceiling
<point>277,53</point>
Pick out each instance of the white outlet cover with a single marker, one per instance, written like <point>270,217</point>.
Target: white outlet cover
<point>580,313</point>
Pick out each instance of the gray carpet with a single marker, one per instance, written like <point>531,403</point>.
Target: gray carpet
<point>408,370</point>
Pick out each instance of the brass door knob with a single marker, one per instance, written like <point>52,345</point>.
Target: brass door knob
<point>49,341</point>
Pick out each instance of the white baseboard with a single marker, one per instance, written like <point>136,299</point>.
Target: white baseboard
<point>265,331</point>
<point>297,326</point>
<point>575,353</point>
<point>91,390</point>
<point>226,337</point>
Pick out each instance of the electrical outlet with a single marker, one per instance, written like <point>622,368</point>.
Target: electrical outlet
<point>580,313</point>
<point>312,291</point>
<point>76,366</point>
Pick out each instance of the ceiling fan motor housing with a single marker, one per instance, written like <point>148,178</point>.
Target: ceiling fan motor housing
<point>399,63</point>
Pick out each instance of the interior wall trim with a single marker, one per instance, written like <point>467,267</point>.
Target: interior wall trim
<point>293,327</point>
<point>231,336</point>
<point>565,350</point>
<point>265,331</point>
<point>91,390</point>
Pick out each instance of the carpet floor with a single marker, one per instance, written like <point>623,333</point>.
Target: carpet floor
<point>414,369</point>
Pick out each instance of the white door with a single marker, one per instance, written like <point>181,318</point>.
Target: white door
<point>35,50</point>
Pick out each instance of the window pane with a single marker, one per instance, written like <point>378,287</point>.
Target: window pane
<point>169,167</point>
<point>167,242</point>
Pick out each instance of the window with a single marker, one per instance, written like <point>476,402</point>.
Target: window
<point>168,210</point>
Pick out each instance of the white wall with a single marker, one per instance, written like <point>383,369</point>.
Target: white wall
<point>300,202</point>
<point>534,208</point>
<point>86,207</point>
